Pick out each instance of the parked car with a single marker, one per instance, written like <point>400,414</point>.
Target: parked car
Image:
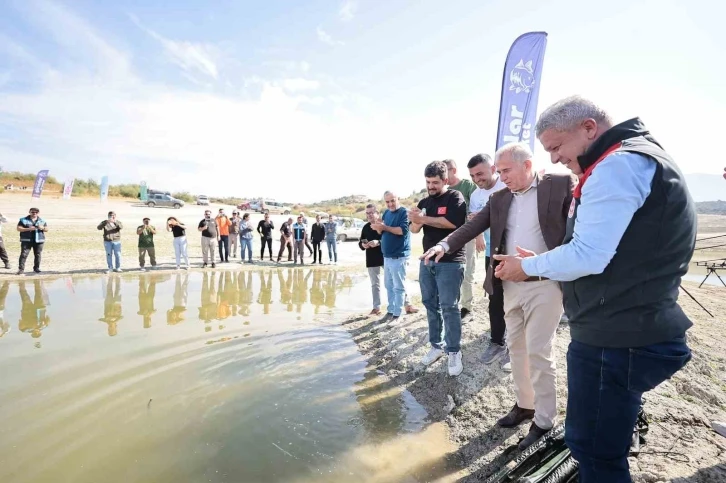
<point>164,200</point>
<point>274,207</point>
<point>349,229</point>
<point>244,206</point>
<point>203,200</point>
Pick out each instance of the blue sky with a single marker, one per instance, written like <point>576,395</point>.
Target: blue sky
<point>308,100</point>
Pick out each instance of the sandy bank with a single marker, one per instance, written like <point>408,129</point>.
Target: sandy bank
<point>681,447</point>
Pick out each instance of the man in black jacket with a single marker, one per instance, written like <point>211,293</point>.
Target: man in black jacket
<point>317,233</point>
<point>264,228</point>
<point>630,235</point>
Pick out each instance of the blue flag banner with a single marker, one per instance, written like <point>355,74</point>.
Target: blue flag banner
<point>104,188</point>
<point>520,89</point>
<point>39,183</point>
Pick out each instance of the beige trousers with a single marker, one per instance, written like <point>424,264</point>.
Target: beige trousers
<point>208,246</point>
<point>532,311</point>
<point>467,287</point>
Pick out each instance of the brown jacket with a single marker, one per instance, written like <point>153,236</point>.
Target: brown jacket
<point>554,196</point>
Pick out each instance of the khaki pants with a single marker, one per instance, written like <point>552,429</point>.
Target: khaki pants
<point>532,311</point>
<point>233,243</point>
<point>208,245</point>
<point>142,256</point>
<point>467,288</point>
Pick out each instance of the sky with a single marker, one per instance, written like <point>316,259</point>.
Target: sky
<point>309,100</point>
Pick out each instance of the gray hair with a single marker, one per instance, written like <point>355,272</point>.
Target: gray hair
<point>565,114</point>
<point>519,152</point>
<point>390,193</point>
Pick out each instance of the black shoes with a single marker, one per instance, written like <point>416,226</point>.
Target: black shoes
<point>535,433</point>
<point>515,417</point>
<point>464,313</point>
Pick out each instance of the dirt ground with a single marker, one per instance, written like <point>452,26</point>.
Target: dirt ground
<point>74,245</point>
<point>681,446</point>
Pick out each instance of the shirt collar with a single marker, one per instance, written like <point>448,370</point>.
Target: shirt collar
<point>534,184</point>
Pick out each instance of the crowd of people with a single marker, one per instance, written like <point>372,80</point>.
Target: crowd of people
<point>607,244</point>
<point>221,237</point>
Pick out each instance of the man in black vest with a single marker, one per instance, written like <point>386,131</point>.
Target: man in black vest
<point>630,236</point>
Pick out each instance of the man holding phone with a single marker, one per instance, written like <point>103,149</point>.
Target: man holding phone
<point>112,241</point>
<point>210,237</point>
<point>146,234</point>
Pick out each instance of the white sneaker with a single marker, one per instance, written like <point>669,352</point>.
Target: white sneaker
<point>109,271</point>
<point>119,270</point>
<point>434,355</point>
<point>188,266</point>
<point>456,366</point>
<point>178,267</point>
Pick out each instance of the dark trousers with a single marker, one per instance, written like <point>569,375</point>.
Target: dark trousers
<point>25,248</point>
<point>224,244</point>
<point>317,252</point>
<point>496,310</point>
<point>284,243</point>
<point>3,253</point>
<point>268,242</point>
<point>605,387</point>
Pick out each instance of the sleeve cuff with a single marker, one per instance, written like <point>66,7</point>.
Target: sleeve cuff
<point>445,246</point>
<point>529,266</point>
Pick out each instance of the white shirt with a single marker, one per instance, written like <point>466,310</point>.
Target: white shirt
<point>523,228</point>
<point>480,196</point>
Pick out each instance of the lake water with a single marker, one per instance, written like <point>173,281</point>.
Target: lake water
<point>200,377</point>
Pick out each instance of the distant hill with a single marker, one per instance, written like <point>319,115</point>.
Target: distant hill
<point>706,187</point>
<point>711,207</point>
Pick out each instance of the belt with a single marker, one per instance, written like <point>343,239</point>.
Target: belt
<point>536,279</point>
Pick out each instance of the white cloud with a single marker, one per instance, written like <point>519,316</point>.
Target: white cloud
<point>300,84</point>
<point>192,57</point>
<point>326,38</point>
<point>347,10</point>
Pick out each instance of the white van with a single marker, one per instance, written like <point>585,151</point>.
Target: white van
<point>202,200</point>
<point>274,207</point>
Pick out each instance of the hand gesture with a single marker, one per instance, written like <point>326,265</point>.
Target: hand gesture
<point>436,252</point>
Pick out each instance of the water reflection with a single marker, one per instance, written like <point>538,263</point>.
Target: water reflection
<point>4,326</point>
<point>255,381</point>
<point>33,314</point>
<point>177,312</point>
<point>223,296</point>
<point>112,308</point>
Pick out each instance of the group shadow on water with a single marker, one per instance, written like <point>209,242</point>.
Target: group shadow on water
<point>222,295</point>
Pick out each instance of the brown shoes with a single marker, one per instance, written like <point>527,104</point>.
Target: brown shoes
<point>410,309</point>
<point>515,417</point>
<point>375,312</point>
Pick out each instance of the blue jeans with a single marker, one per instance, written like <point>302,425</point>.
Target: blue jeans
<point>245,243</point>
<point>332,249</point>
<point>605,387</point>
<point>115,249</point>
<point>394,276</point>
<point>440,291</point>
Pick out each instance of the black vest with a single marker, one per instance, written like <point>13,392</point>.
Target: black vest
<point>633,303</point>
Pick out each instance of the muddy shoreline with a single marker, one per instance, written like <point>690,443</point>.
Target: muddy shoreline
<point>681,446</point>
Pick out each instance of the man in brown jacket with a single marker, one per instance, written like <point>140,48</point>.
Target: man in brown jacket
<point>531,213</point>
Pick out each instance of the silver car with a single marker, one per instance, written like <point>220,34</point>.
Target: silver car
<point>164,200</point>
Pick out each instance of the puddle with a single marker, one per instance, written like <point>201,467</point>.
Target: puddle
<point>209,377</point>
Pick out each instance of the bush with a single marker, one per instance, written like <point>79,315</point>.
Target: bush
<point>185,196</point>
